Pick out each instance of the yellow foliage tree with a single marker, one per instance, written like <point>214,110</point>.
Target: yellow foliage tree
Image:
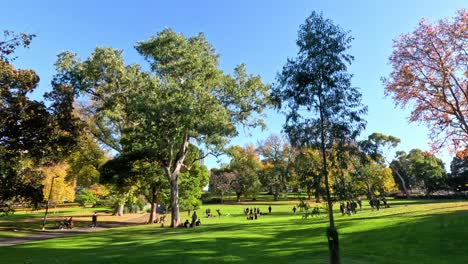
<point>62,190</point>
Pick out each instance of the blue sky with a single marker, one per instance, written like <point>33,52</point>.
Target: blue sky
<point>261,34</point>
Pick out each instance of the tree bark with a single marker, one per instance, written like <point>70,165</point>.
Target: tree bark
<point>120,209</point>
<point>317,196</point>
<point>332,233</point>
<point>403,183</point>
<point>175,212</point>
<point>154,198</point>
<point>369,192</point>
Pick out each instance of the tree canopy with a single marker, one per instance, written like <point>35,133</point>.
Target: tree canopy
<point>429,74</point>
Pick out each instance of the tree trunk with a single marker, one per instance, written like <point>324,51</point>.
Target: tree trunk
<point>175,213</point>
<point>403,183</point>
<point>120,209</point>
<point>154,203</point>
<point>222,197</point>
<point>317,196</point>
<point>332,233</point>
<point>369,192</point>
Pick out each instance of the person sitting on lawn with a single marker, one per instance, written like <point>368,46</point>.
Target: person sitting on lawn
<point>198,223</point>
<point>186,223</point>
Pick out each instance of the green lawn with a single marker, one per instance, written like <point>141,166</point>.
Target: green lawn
<point>408,232</point>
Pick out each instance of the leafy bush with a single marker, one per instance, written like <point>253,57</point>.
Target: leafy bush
<point>86,197</point>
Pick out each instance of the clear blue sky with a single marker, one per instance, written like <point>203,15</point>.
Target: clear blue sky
<point>261,34</point>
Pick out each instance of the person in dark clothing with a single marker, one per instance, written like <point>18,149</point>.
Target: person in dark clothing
<point>342,208</point>
<point>194,218</point>
<point>198,223</point>
<point>94,220</point>
<point>219,212</point>
<point>360,203</point>
<point>384,200</point>
<point>269,209</point>
<point>186,224</point>
<point>258,211</point>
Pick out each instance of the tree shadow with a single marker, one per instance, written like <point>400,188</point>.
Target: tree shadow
<point>437,238</point>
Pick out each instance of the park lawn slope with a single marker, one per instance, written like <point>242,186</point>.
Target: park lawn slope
<point>408,232</point>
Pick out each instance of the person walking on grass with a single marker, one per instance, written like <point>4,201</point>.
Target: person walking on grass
<point>294,210</point>
<point>269,209</point>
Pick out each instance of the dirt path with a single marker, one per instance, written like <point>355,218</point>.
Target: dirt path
<point>34,235</point>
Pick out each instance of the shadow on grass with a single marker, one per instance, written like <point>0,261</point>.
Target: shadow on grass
<point>437,238</point>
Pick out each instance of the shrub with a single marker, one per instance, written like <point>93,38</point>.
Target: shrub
<point>86,197</point>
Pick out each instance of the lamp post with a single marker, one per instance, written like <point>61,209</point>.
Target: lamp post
<point>47,204</point>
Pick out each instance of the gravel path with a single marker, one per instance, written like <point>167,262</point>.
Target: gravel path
<point>42,235</point>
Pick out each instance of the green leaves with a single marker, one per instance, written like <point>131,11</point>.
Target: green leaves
<point>315,89</point>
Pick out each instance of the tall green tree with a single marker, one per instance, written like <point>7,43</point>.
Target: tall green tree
<point>194,101</point>
<point>421,170</point>
<point>245,165</point>
<point>324,110</point>
<point>428,170</point>
<point>277,152</point>
<point>108,85</point>
<point>458,178</point>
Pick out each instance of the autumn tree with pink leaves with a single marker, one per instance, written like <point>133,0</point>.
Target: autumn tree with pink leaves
<point>430,70</point>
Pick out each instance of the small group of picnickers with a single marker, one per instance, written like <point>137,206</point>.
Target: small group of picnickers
<point>208,213</point>
<point>69,223</point>
<point>196,221</point>
<point>161,220</point>
<point>255,213</point>
<point>376,203</point>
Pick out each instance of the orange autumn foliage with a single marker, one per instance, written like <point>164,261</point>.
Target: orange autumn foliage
<point>430,75</point>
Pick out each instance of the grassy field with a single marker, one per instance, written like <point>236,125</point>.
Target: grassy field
<point>408,232</point>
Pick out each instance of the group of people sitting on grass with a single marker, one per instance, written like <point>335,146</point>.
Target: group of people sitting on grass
<point>67,223</point>
<point>161,220</point>
<point>195,221</point>
<point>208,213</point>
